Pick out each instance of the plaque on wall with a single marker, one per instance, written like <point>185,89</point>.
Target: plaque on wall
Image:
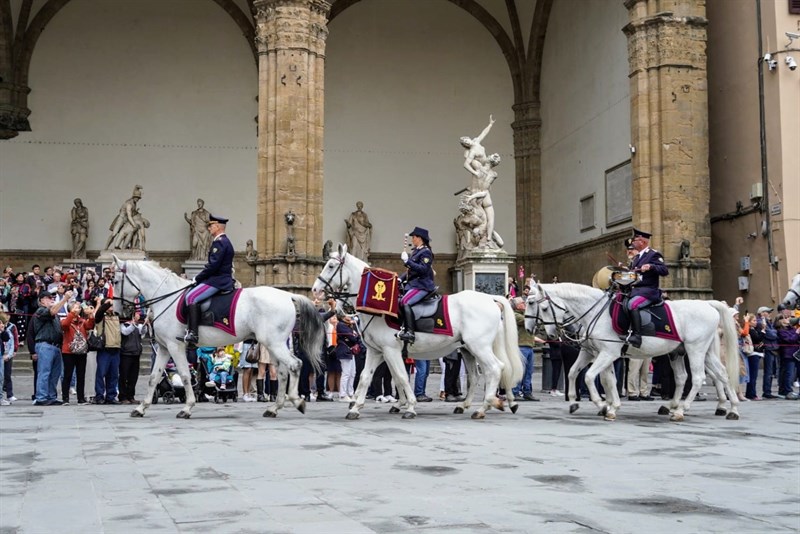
<point>491,283</point>
<point>619,194</point>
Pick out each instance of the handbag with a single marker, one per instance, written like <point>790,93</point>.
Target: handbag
<point>78,345</point>
<point>252,354</point>
<point>356,349</point>
<point>96,341</point>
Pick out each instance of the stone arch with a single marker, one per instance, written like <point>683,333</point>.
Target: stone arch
<point>28,36</point>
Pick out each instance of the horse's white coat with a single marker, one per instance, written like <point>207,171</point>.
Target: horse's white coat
<point>792,296</point>
<point>696,323</point>
<point>477,328</point>
<point>264,313</point>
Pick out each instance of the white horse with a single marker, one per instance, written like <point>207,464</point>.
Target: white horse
<point>558,305</point>
<point>483,327</point>
<point>793,295</point>
<point>263,313</point>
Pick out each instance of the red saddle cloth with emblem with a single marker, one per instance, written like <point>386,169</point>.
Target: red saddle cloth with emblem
<point>378,293</point>
<point>656,320</point>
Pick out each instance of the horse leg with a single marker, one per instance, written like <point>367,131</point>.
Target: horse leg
<point>698,374</point>
<point>183,371</point>
<point>394,360</point>
<point>715,370</point>
<point>602,361</point>
<point>609,380</point>
<point>372,362</point>
<point>679,371</point>
<point>584,357</point>
<point>155,377</point>
<point>491,368</point>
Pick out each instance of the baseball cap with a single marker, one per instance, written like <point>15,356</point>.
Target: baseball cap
<point>763,309</point>
<point>794,320</point>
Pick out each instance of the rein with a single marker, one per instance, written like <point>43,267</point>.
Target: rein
<point>570,320</point>
<point>342,296</point>
<point>149,302</point>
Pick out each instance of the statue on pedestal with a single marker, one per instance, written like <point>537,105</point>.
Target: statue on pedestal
<point>359,233</point>
<point>475,223</point>
<point>128,227</point>
<point>250,253</point>
<point>79,229</point>
<point>199,236</point>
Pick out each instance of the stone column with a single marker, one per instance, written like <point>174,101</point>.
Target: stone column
<point>290,38</point>
<point>527,128</point>
<point>669,129</point>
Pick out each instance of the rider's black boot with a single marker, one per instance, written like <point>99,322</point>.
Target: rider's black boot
<point>635,338</point>
<point>409,326</point>
<point>191,327</point>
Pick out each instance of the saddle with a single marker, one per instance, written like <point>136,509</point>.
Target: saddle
<point>218,311</point>
<point>432,315</point>
<point>657,318</point>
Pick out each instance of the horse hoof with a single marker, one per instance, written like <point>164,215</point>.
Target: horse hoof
<point>663,410</point>
<point>351,405</point>
<point>302,407</point>
<point>478,415</point>
<point>733,416</point>
<point>676,418</point>
<point>352,416</point>
<point>136,413</point>
<point>271,414</point>
<point>603,411</point>
<point>409,415</point>
<point>458,409</point>
<point>721,412</point>
<point>183,415</point>
<point>394,409</point>
<point>514,408</point>
<point>611,417</point>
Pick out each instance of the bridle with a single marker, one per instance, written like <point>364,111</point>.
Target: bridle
<point>566,328</point>
<point>341,295</point>
<point>147,303</point>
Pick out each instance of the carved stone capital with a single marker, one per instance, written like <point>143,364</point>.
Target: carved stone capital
<point>665,40</point>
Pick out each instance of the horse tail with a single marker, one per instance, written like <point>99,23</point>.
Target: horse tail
<point>312,330</point>
<point>506,346</point>
<point>730,339</point>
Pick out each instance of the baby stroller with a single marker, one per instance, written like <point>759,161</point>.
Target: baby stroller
<point>205,364</point>
<point>171,386</point>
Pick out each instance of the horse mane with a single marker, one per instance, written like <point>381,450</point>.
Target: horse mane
<point>574,292</point>
<point>173,276</point>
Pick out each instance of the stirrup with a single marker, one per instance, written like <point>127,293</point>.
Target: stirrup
<point>407,336</point>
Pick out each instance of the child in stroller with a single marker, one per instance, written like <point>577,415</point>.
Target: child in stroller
<point>171,386</point>
<point>218,373</point>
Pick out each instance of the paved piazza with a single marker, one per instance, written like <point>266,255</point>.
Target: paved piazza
<point>87,469</point>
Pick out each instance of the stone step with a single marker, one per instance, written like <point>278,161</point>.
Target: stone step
<point>22,362</point>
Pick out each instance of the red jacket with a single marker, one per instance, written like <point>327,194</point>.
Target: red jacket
<point>68,326</point>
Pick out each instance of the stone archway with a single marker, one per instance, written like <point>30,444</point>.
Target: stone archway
<point>16,52</point>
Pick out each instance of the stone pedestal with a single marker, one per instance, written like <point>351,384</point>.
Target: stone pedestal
<point>77,261</point>
<point>192,268</point>
<point>105,258</point>
<point>484,271</point>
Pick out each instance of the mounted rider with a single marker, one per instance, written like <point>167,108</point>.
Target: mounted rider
<point>418,280</point>
<point>216,276</point>
<point>650,264</point>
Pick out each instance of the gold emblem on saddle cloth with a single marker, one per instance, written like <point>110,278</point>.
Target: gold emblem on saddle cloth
<point>225,321</point>
<point>380,289</point>
<point>667,328</point>
<point>439,323</point>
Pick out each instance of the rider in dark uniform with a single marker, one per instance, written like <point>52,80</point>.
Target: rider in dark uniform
<point>418,279</point>
<point>216,276</point>
<point>650,264</point>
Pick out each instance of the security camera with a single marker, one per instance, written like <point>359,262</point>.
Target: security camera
<point>767,57</point>
<point>793,35</point>
<point>772,65</point>
<point>791,62</point>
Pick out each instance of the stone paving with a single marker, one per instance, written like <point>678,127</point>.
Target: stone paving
<point>94,469</point>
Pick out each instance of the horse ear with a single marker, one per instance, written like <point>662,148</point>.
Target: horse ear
<point>342,250</point>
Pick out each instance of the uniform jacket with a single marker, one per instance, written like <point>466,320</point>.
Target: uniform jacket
<point>218,272</point>
<point>648,286</point>
<point>346,339</point>
<point>420,270</point>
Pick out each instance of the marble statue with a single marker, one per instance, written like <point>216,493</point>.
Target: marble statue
<point>327,248</point>
<point>290,245</point>
<point>475,222</point>
<point>199,236</point>
<point>79,229</point>
<point>359,233</point>
<point>128,227</point>
<point>250,253</point>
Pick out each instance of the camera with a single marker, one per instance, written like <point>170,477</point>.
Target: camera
<point>791,62</point>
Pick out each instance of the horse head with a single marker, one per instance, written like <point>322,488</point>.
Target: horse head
<point>543,310</point>
<point>793,295</point>
<point>341,273</point>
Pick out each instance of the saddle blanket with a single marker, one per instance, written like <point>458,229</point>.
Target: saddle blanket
<point>219,311</point>
<point>377,294</point>
<point>438,323</point>
<point>656,320</point>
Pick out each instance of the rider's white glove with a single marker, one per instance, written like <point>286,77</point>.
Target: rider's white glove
<point>194,279</point>
<point>404,256</point>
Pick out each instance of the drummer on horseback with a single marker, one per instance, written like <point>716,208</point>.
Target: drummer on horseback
<point>216,276</point>
<point>418,280</point>
<point>650,264</point>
